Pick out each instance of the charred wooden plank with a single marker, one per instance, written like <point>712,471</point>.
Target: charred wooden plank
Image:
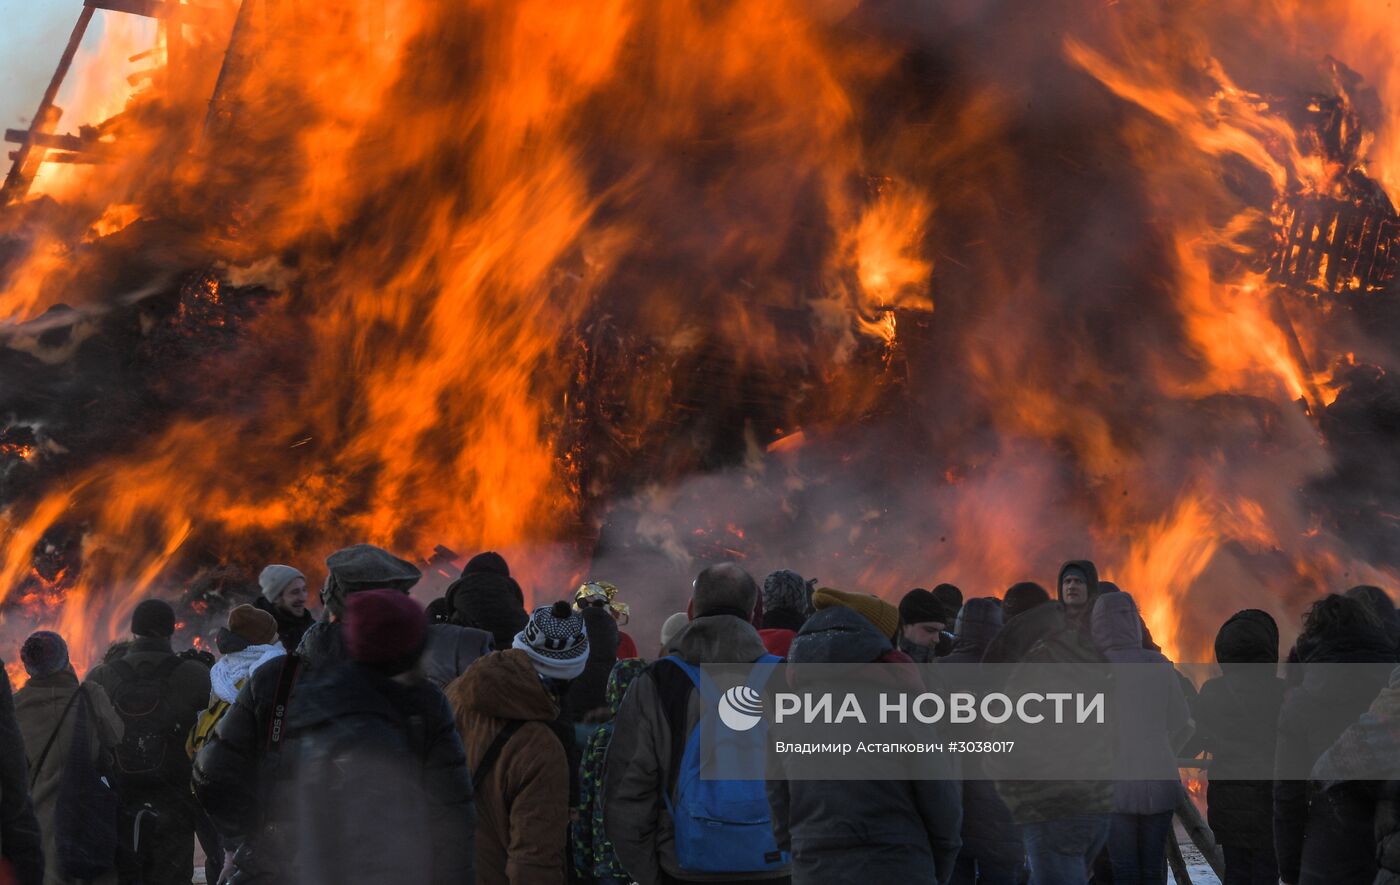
<point>151,8</point>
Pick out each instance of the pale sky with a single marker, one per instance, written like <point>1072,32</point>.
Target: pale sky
<point>32,35</point>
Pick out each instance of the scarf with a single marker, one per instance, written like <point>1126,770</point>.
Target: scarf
<point>230,670</point>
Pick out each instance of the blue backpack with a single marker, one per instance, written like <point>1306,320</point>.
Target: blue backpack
<point>723,826</point>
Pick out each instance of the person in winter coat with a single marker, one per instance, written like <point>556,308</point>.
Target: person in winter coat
<point>505,714</point>
<point>1018,632</point>
<point>382,793</point>
<point>951,598</point>
<point>47,712</point>
<point>251,640</point>
<point>588,692</point>
<point>152,768</point>
<point>670,629</point>
<point>1365,761</point>
<point>977,625</point>
<point>923,623</point>
<point>786,603</point>
<point>879,613</point>
<point>21,845</point>
<point>1382,607</point>
<point>1064,823</point>
<point>284,597</point>
<point>241,780</point>
<point>1021,597</point>
<point>853,830</point>
<point>488,598</point>
<point>1078,588</point>
<point>1237,724</point>
<point>594,857</point>
<point>991,844</point>
<point>1148,741</point>
<point>637,779</point>
<point>1327,840</point>
<point>603,594</point>
<point>451,650</point>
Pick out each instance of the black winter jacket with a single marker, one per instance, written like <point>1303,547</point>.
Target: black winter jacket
<point>244,789</point>
<point>590,690</point>
<point>1325,840</point>
<point>1237,723</point>
<point>21,845</point>
<point>382,795</point>
<point>862,831</point>
<point>290,628</point>
<point>1388,833</point>
<point>978,624</point>
<point>989,834</point>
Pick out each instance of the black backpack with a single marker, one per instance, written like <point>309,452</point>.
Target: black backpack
<point>152,748</point>
<point>85,814</point>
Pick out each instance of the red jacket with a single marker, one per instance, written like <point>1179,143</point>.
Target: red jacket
<point>777,640</point>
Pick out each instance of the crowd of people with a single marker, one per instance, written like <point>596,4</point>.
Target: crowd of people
<point>475,740</point>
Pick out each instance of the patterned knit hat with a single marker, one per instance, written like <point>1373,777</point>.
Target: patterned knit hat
<point>785,590</point>
<point>555,641</point>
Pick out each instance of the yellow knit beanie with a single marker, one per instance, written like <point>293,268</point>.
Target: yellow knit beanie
<point>884,616</point>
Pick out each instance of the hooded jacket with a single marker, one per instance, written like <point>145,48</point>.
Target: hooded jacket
<point>638,769</point>
<point>523,803</point>
<point>1079,618</point>
<point>1324,841</point>
<point>989,834</point>
<point>593,853</point>
<point>1237,723</point>
<point>451,650</point>
<point>488,598</point>
<point>978,624</point>
<point>40,711</point>
<point>382,793</point>
<point>1018,635</point>
<point>1042,635</point>
<point>850,831</point>
<point>1160,723</point>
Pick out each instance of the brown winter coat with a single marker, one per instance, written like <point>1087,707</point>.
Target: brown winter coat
<point>38,709</point>
<point>522,807</point>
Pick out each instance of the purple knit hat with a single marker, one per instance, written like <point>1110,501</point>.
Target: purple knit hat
<point>43,654</point>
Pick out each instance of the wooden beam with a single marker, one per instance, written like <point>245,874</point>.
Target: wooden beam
<point>46,140</point>
<point>29,156</point>
<point>1198,831</point>
<point>152,8</point>
<point>81,157</point>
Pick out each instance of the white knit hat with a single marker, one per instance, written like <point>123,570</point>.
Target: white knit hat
<point>555,641</point>
<point>274,580</point>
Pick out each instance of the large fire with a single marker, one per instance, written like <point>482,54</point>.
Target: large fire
<point>883,294</point>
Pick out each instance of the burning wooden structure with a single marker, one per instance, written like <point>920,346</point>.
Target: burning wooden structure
<point>632,286</point>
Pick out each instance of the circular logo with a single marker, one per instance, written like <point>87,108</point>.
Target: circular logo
<point>741,708</point>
